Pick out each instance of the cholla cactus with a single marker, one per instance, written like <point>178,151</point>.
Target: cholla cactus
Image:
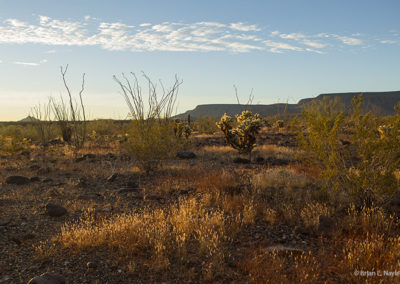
<point>181,129</point>
<point>279,124</point>
<point>243,137</point>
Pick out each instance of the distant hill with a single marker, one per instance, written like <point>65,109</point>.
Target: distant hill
<point>28,119</point>
<point>378,102</point>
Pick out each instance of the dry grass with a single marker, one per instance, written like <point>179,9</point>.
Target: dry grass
<point>168,235</point>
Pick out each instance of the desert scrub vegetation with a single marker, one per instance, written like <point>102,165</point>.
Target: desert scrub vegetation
<point>172,235</point>
<point>242,137</point>
<point>361,162</point>
<point>205,125</point>
<point>152,136</point>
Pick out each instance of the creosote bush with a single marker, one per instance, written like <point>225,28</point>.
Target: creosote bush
<point>354,156</point>
<point>242,137</point>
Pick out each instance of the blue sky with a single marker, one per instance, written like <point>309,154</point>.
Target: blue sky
<point>283,50</point>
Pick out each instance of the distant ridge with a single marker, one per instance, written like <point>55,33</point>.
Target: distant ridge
<point>381,103</point>
<point>28,119</point>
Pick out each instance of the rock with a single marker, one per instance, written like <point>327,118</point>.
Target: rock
<point>18,180</point>
<point>186,155</point>
<point>85,157</point>
<point>284,250</point>
<point>91,266</point>
<point>239,160</point>
<point>46,180</point>
<point>153,196</point>
<point>112,177</point>
<point>25,153</point>
<point>48,278</point>
<point>276,162</point>
<point>5,222</point>
<point>55,210</point>
<point>260,160</point>
<point>89,196</point>
<point>35,179</point>
<point>34,167</point>
<point>326,225</point>
<point>56,142</point>
<point>127,189</point>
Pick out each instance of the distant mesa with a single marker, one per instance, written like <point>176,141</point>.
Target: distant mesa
<point>29,119</point>
<point>381,103</point>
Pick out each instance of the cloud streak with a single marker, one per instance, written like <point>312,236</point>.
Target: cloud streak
<point>167,36</point>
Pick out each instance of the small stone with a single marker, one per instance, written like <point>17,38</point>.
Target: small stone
<point>91,266</point>
<point>186,155</point>
<point>5,222</point>
<point>326,225</point>
<point>239,160</point>
<point>18,180</point>
<point>55,210</point>
<point>48,278</point>
<point>34,167</point>
<point>35,179</point>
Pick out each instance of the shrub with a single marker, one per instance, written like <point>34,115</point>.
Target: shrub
<point>365,165</point>
<point>205,124</point>
<point>243,137</point>
<point>151,135</point>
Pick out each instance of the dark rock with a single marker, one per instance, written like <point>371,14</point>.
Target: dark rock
<point>153,196</point>
<point>80,159</point>
<point>22,238</point>
<point>48,278</point>
<point>35,179</point>
<point>128,189</point>
<point>25,153</point>
<point>326,225</point>
<point>239,160</point>
<point>91,266</point>
<point>186,191</point>
<point>56,142</point>
<point>260,160</point>
<point>5,222</point>
<point>34,167</point>
<point>18,180</point>
<point>186,155</point>
<point>89,196</point>
<point>112,177</point>
<point>55,210</point>
<point>46,180</point>
<point>271,161</point>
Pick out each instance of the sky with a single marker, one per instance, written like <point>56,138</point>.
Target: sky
<point>283,50</point>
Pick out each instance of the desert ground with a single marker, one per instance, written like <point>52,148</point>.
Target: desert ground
<point>213,217</point>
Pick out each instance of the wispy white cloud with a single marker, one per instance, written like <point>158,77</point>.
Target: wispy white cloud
<point>169,36</point>
<point>244,27</point>
<point>348,40</point>
<point>26,63</point>
<point>388,41</point>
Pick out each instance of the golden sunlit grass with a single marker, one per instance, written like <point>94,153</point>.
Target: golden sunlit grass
<point>167,234</point>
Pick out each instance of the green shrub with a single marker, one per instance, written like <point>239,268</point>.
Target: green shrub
<point>151,137</point>
<point>363,165</point>
<point>243,137</point>
<point>151,143</point>
<point>205,124</point>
